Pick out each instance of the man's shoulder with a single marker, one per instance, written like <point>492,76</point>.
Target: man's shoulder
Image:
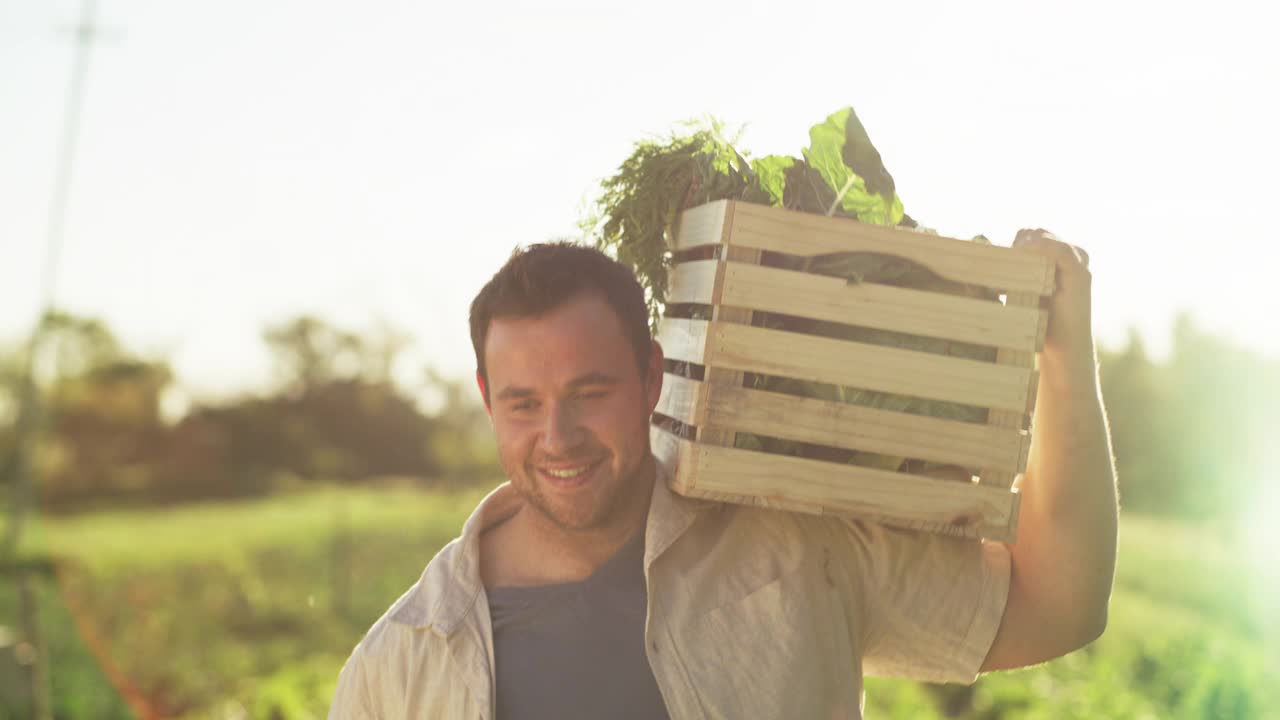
<point>770,525</point>
<point>790,538</point>
<point>414,610</point>
<point>399,647</point>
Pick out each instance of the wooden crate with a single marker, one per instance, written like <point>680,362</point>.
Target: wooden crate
<point>713,410</point>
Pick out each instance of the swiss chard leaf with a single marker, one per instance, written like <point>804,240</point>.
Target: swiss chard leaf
<point>842,154</point>
<point>771,173</point>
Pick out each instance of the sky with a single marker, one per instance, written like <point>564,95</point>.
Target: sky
<point>240,163</point>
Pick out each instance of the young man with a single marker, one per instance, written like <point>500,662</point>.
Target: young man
<point>585,588</point>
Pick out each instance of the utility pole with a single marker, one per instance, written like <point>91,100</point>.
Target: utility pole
<point>30,414</point>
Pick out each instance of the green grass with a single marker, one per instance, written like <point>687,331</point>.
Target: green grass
<point>219,609</point>
<point>1191,634</point>
<point>215,531</point>
<point>248,609</point>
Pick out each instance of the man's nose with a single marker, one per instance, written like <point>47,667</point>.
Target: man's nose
<point>562,432</point>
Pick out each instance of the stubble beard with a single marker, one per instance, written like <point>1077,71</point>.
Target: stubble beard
<point>607,505</point>
<point>613,496</point>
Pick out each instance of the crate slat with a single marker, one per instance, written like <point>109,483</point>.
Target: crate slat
<point>683,399</point>
<point>883,307</point>
<point>722,375</point>
<point>703,225</point>
<point>1010,419</point>
<point>958,508</point>
<point>684,339</point>
<point>840,425</point>
<point>671,454</point>
<point>797,233</point>
<point>693,282</point>
<point>869,367</point>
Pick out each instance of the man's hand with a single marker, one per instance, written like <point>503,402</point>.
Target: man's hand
<point>1070,332</point>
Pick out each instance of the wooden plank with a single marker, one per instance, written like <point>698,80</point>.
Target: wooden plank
<point>719,376</point>
<point>674,455</point>
<point>938,505</point>
<point>683,399</point>
<point>969,445</point>
<point>1017,419</point>
<point>798,233</point>
<point>679,459</point>
<point>703,225</point>
<point>878,306</point>
<point>693,282</point>
<point>683,339</point>
<point>869,367</point>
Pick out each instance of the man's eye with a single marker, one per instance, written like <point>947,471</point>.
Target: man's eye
<point>522,406</point>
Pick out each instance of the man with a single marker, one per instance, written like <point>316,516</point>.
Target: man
<point>585,588</point>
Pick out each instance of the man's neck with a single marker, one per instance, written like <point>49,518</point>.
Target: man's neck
<point>531,549</point>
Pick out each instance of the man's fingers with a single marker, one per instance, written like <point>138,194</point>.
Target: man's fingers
<point>1067,256</point>
<point>1084,256</point>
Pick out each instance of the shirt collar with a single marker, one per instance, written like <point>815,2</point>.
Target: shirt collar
<point>449,587</point>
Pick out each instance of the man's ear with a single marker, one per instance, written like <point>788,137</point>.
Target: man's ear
<point>484,393</point>
<point>654,375</point>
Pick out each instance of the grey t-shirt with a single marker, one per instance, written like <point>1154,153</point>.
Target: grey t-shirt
<point>576,650</point>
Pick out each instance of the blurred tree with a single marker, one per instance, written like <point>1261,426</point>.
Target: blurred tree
<point>1132,387</point>
<point>463,442</point>
<point>1221,395</point>
<point>380,351</point>
<point>105,431</point>
<point>102,410</point>
<point>338,416</point>
<point>1190,434</point>
<point>309,352</point>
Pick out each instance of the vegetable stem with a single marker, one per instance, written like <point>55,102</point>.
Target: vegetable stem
<point>840,195</point>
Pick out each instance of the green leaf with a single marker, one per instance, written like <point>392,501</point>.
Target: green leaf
<point>842,153</point>
<point>771,172</point>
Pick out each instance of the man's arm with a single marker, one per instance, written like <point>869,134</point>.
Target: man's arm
<point>1064,559</point>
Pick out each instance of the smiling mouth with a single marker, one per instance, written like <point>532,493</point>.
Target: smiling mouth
<point>575,472</point>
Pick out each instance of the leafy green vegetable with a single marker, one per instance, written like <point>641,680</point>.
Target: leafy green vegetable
<point>771,172</point>
<point>634,215</point>
<point>842,154</point>
<point>839,174</point>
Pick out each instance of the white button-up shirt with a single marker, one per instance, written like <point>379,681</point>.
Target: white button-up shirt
<point>752,613</point>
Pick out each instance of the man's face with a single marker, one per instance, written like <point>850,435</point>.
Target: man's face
<point>571,411</point>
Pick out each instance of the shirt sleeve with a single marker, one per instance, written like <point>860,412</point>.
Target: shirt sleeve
<point>932,603</point>
<point>351,699</point>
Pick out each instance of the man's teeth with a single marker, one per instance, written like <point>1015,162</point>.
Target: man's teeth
<point>574,472</point>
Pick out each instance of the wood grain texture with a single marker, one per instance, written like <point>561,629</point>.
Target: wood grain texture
<point>693,282</point>
<point>702,225</point>
<point>798,233</point>
<point>683,339</point>
<point>720,375</point>
<point>842,425</point>
<point>869,367</point>
<point>683,399</point>
<point>1018,419</point>
<point>674,455</point>
<point>965,509</point>
<point>884,307</point>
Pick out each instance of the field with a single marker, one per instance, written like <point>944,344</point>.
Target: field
<point>248,609</point>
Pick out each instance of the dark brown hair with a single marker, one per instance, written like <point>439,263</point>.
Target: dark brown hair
<point>541,277</point>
